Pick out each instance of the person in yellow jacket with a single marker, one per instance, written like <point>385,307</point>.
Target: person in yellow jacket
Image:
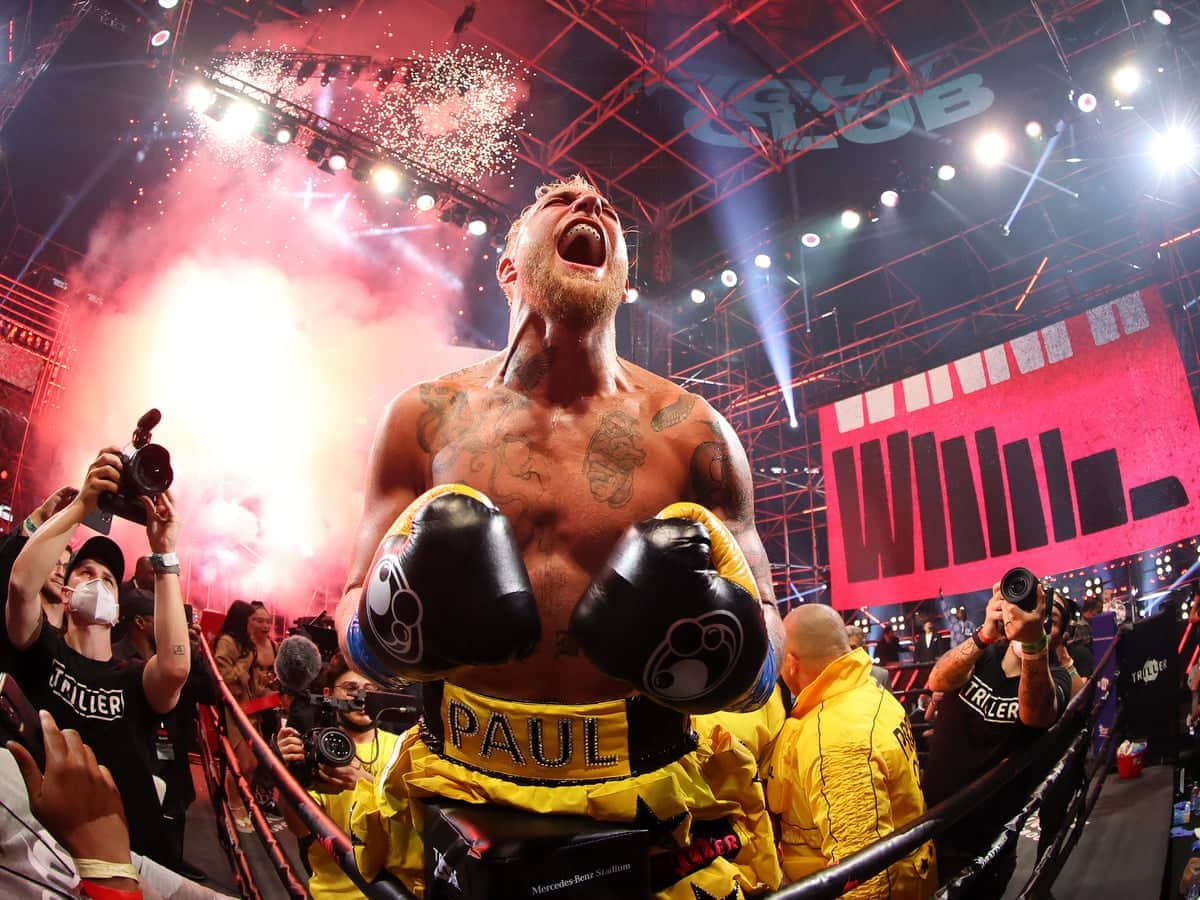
<point>843,773</point>
<point>340,791</point>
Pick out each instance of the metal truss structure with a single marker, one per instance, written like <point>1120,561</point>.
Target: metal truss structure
<point>848,348</point>
<point>39,58</point>
<point>603,67</point>
<point>986,30</point>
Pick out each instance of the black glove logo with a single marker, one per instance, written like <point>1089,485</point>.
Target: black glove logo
<point>696,656</point>
<point>395,609</point>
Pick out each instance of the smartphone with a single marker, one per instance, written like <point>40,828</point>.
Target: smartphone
<point>189,613</point>
<point>19,720</point>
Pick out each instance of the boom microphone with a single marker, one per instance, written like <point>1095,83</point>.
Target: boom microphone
<point>149,421</point>
<point>297,664</point>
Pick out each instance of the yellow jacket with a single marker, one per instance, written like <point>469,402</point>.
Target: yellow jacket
<point>328,880</point>
<point>757,729</point>
<point>844,774</point>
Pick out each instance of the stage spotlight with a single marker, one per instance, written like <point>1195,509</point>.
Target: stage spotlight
<point>330,72</point>
<point>810,239</point>
<point>426,202</point>
<point>168,4</point>
<point>317,150</point>
<point>306,70</point>
<point>477,227</point>
<point>991,148</point>
<point>1033,128</point>
<point>1086,102</point>
<point>337,161</point>
<point>160,37</point>
<point>729,278</point>
<point>1126,80</point>
<point>762,261</point>
<point>631,295</point>
<point>890,199</point>
<point>200,97</point>
<point>697,295</point>
<point>283,136</point>
<point>1161,15</point>
<point>851,219</point>
<point>946,172</point>
<point>240,120</point>
<point>1174,149</point>
<point>386,180</point>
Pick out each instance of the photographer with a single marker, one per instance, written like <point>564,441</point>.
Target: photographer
<point>1000,693</point>
<point>337,790</point>
<point>74,676</point>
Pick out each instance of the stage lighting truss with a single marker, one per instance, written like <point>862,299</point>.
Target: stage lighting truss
<point>1162,566</point>
<point>331,145</point>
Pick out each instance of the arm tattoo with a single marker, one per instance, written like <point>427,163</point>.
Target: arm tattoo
<point>612,455</point>
<point>1036,694</point>
<point>177,649</point>
<point>672,415</point>
<point>715,483</point>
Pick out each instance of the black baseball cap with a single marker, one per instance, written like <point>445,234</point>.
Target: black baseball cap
<point>134,603</point>
<point>102,550</point>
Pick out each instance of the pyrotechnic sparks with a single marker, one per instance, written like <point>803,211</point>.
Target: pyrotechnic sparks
<point>455,113</point>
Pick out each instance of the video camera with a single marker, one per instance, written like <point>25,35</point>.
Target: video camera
<point>298,665</point>
<point>145,472</point>
<point>325,741</point>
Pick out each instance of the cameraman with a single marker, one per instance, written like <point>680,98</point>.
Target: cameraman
<point>337,790</point>
<point>1000,693</point>
<point>75,677</point>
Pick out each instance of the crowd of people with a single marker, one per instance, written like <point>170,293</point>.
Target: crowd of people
<point>560,547</point>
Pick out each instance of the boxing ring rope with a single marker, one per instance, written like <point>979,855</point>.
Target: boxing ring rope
<point>214,776</point>
<point>831,882</point>
<point>873,859</point>
<point>326,833</point>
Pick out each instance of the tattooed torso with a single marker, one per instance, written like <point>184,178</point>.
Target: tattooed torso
<point>571,480</point>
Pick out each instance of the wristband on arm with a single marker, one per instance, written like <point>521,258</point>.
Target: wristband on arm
<point>100,892</point>
<point>982,644</point>
<point>1038,648</point>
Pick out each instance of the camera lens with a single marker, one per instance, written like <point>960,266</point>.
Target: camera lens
<point>150,469</point>
<point>1019,587</point>
<point>334,747</point>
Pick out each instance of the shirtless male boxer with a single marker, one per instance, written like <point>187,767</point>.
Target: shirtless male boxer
<point>563,545</point>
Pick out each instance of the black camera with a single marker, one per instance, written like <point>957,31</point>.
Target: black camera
<point>146,472</point>
<point>325,742</point>
<point>1019,587</point>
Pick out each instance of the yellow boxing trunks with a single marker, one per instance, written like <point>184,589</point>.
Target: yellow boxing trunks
<point>629,761</point>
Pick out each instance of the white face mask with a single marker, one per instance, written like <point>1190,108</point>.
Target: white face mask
<point>94,601</point>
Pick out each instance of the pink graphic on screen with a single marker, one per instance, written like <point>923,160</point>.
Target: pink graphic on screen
<point>1064,447</point>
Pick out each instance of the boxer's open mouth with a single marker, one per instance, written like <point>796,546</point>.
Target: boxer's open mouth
<point>582,244</point>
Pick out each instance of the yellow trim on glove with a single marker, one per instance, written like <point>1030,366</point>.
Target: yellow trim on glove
<point>727,557</point>
<point>403,525</point>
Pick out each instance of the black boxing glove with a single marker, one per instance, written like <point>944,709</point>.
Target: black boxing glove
<point>447,588</point>
<point>676,612</point>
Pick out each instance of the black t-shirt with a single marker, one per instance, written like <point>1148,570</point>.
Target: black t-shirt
<point>976,727</point>
<point>106,704</point>
<point>1084,659</point>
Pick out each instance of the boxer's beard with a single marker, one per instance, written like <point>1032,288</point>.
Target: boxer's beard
<point>574,300</point>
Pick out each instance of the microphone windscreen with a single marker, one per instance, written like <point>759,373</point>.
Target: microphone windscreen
<point>297,663</point>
